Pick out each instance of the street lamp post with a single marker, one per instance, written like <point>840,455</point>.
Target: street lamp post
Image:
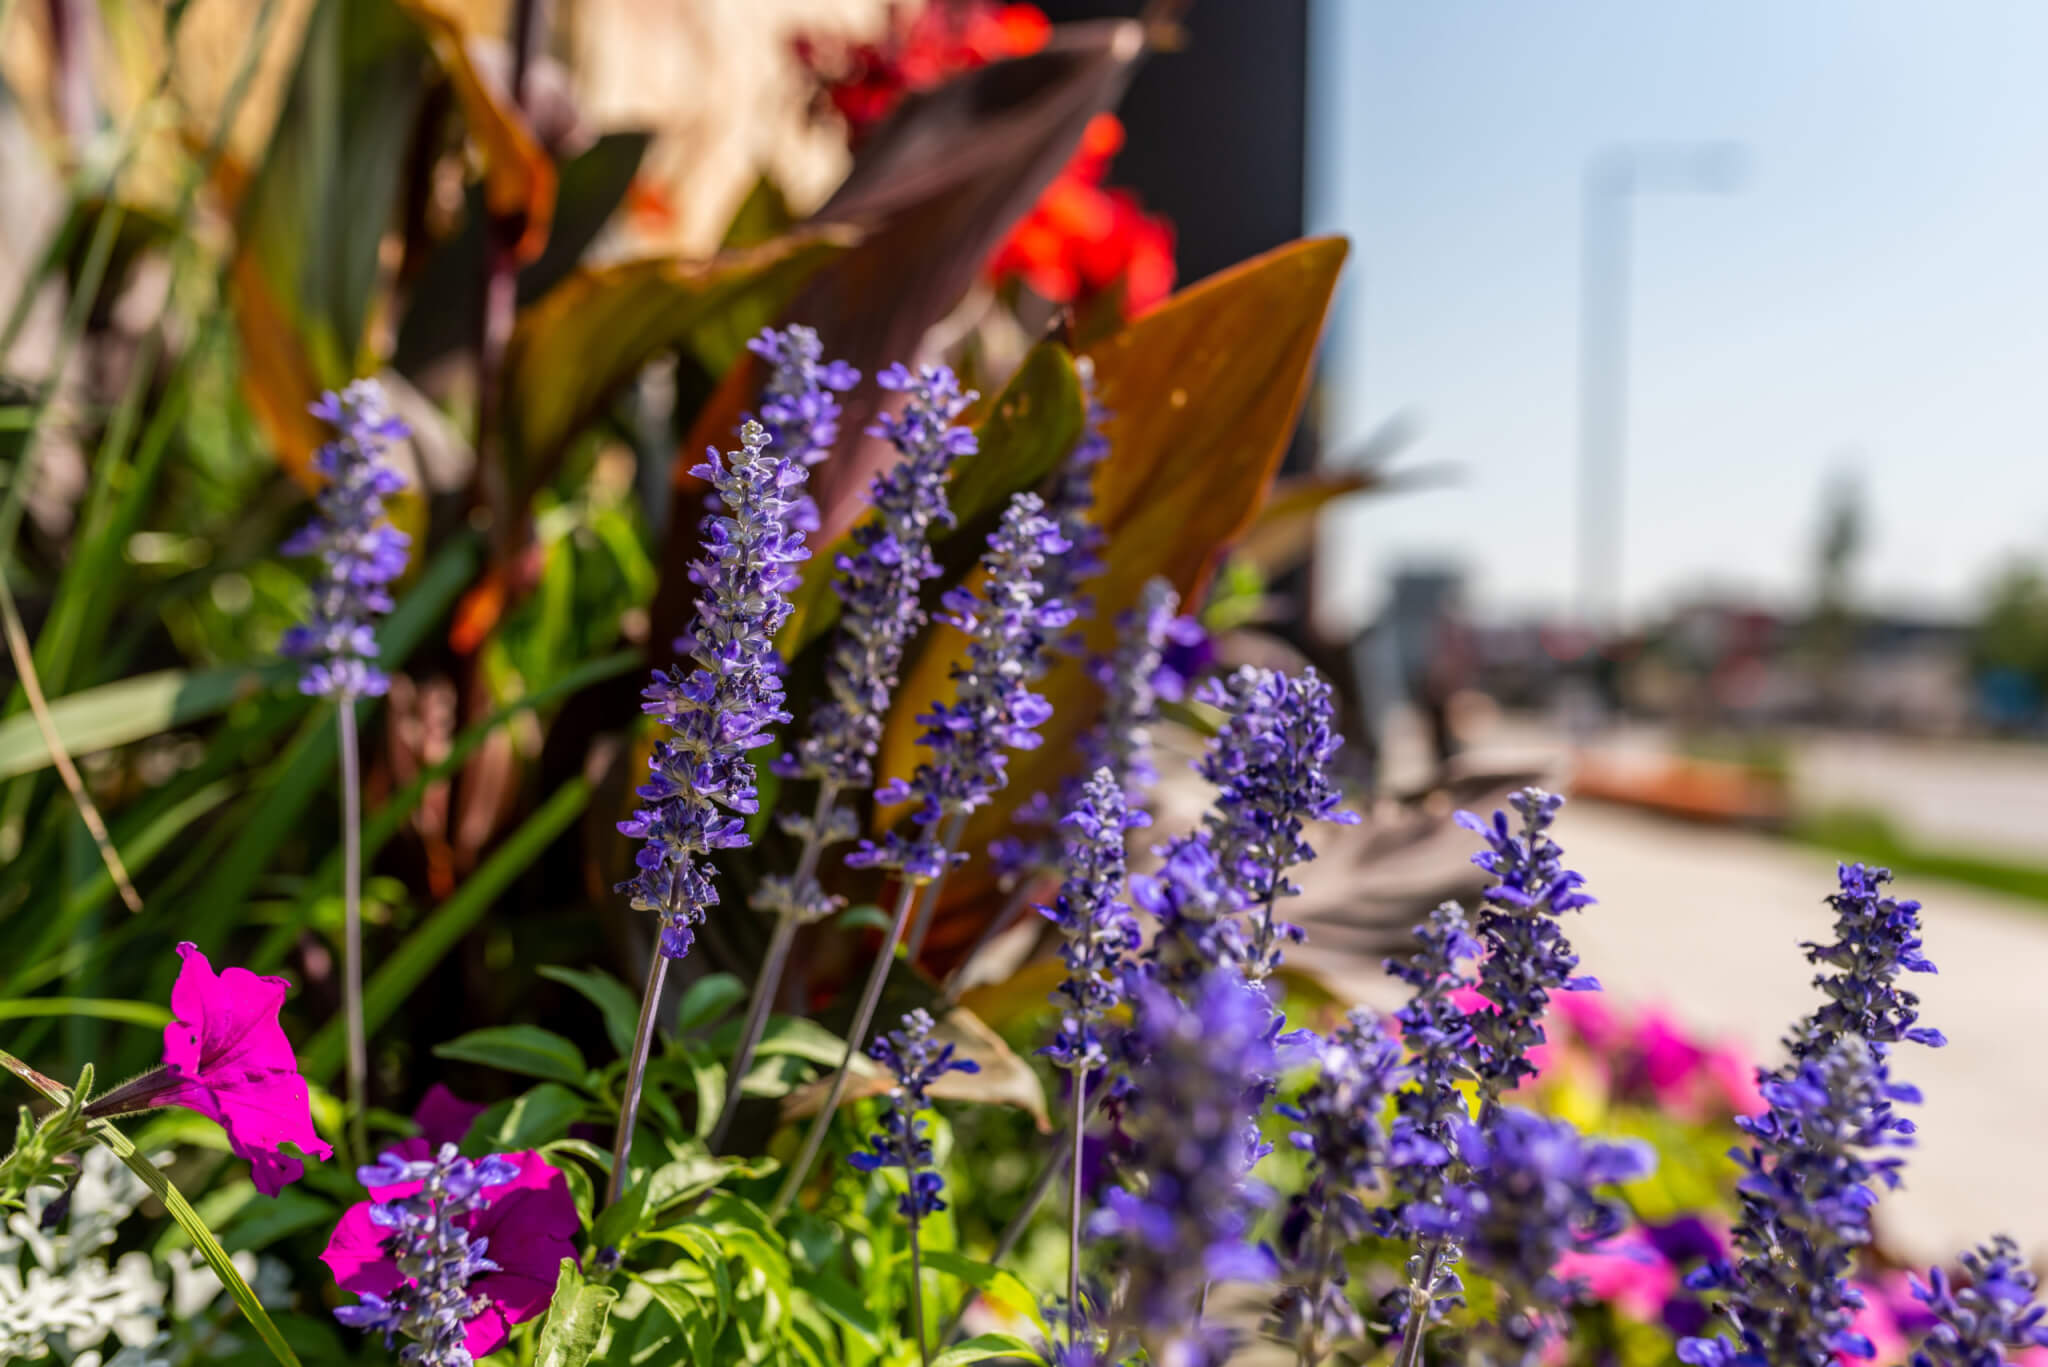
<point>1613,178</point>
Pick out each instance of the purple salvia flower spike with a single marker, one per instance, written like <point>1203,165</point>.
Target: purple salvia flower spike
<point>429,1242</point>
<point>1818,1153</point>
<point>1990,1310</point>
<point>1095,924</point>
<point>880,580</point>
<point>800,403</point>
<point>1342,1130</point>
<point>1528,957</point>
<point>1534,1194</point>
<point>720,702</point>
<point>1008,626</point>
<point>916,1060</point>
<point>1133,679</point>
<point>1072,507</point>
<point>362,553</point>
<point>1270,764</point>
<point>1185,1219</point>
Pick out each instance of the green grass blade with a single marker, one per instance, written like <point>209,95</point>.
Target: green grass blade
<point>130,710</point>
<point>408,966</point>
<point>99,1008</point>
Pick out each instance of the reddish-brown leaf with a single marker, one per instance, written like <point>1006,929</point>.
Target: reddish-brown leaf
<point>936,188</point>
<point>1202,394</point>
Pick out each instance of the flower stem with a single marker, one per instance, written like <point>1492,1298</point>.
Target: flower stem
<point>770,980</point>
<point>929,911</point>
<point>1419,1297</point>
<point>1006,1243</point>
<point>352,929</point>
<point>863,1017</point>
<point>636,1073</point>
<point>924,1352</point>
<point>1074,1214</point>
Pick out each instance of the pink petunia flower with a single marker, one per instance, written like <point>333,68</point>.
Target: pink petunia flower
<point>226,1057</point>
<point>1628,1272</point>
<point>526,1225</point>
<point>444,1118</point>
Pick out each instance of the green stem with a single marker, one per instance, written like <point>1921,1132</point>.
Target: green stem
<point>1074,1215</point>
<point>636,1074</point>
<point>352,929</point>
<point>770,980</point>
<point>924,1352</point>
<point>863,1017</point>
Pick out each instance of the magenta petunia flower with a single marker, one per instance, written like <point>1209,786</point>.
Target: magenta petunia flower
<point>523,1228</point>
<point>226,1057</point>
<point>443,1117</point>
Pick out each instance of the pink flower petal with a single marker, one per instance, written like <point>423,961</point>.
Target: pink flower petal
<point>234,1066</point>
<point>486,1329</point>
<point>444,1118</point>
<point>355,1254</point>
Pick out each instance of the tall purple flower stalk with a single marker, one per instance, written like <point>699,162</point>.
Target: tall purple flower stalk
<point>361,555</point>
<point>1990,1310</point>
<point>800,403</point>
<point>800,409</point>
<point>1072,507</point>
<point>718,707</point>
<point>1525,959</point>
<point>1008,626</point>
<point>1437,1034</point>
<point>1527,955</point>
<point>1533,1194</point>
<point>1097,930</point>
<point>720,704</point>
<point>916,1060</point>
<point>1270,764</point>
<point>1184,1219</point>
<point>1343,1133</point>
<point>993,711</point>
<point>879,581</point>
<point>1824,1146</point>
<point>428,1240</point>
<point>1133,679</point>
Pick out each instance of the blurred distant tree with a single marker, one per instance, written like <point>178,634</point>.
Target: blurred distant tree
<point>2009,648</point>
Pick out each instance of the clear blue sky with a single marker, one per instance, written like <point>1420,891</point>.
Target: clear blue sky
<point>1874,297</point>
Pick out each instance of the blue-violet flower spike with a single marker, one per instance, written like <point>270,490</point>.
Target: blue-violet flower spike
<point>916,1060</point>
<point>361,552</point>
<point>993,710</point>
<point>1992,1311</point>
<point>1096,925</point>
<point>720,702</point>
<point>1270,762</point>
<point>879,581</point>
<point>1527,955</point>
<point>800,403</point>
<point>1184,1221</point>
